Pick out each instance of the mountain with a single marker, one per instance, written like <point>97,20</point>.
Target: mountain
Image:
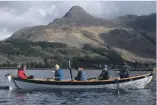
<point>145,22</point>
<point>145,25</point>
<point>127,17</point>
<point>76,28</point>
<point>131,36</point>
<point>77,16</point>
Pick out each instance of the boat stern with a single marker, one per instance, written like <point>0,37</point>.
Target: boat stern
<point>149,80</point>
<point>10,82</point>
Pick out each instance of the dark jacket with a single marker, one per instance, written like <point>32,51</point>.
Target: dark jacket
<point>81,76</point>
<point>58,74</point>
<point>104,75</point>
<point>124,72</point>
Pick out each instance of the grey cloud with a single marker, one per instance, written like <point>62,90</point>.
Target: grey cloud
<point>19,14</point>
<point>120,8</point>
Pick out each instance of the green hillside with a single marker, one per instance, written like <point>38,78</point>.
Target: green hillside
<point>47,54</point>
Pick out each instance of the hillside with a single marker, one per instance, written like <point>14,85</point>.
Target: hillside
<point>47,54</point>
<point>145,25</point>
<point>130,36</point>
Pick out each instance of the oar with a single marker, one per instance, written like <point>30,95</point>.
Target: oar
<point>117,83</point>
<point>70,70</point>
<point>117,86</point>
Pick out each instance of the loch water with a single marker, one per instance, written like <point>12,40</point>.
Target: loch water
<point>145,96</point>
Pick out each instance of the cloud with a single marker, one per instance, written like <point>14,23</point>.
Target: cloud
<point>4,33</point>
<point>19,14</point>
<point>119,8</point>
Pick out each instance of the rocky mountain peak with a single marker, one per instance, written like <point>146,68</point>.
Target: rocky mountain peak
<point>76,11</point>
<point>77,16</point>
<point>76,8</point>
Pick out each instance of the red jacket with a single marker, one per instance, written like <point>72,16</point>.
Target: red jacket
<point>22,74</point>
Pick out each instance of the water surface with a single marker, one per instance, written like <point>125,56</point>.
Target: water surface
<point>80,97</point>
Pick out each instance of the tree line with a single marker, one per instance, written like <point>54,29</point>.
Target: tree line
<point>47,54</point>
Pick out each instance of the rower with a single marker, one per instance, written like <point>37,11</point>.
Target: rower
<point>104,74</point>
<point>21,72</point>
<point>58,73</point>
<point>81,76</point>
<point>124,72</point>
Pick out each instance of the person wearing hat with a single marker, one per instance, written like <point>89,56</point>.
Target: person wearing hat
<point>81,76</point>
<point>124,72</point>
<point>104,75</point>
<point>58,73</point>
<point>21,72</point>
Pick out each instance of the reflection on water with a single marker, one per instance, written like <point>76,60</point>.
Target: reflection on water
<point>79,97</point>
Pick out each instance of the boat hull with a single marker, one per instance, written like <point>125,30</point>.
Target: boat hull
<point>41,84</point>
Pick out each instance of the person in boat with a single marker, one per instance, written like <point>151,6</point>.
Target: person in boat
<point>124,72</point>
<point>81,76</point>
<point>58,73</point>
<point>21,72</point>
<point>104,75</point>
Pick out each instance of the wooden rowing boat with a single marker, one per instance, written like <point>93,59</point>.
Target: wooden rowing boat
<point>42,84</point>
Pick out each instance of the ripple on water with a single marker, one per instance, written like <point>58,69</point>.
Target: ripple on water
<point>104,97</point>
<point>81,97</point>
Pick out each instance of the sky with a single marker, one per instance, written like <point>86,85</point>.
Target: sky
<point>15,15</point>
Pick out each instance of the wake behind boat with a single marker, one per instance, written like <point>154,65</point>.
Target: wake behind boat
<point>48,84</point>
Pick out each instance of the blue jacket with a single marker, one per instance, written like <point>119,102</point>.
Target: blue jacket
<point>81,76</point>
<point>59,75</point>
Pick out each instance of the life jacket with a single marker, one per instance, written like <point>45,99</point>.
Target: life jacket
<point>21,74</point>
